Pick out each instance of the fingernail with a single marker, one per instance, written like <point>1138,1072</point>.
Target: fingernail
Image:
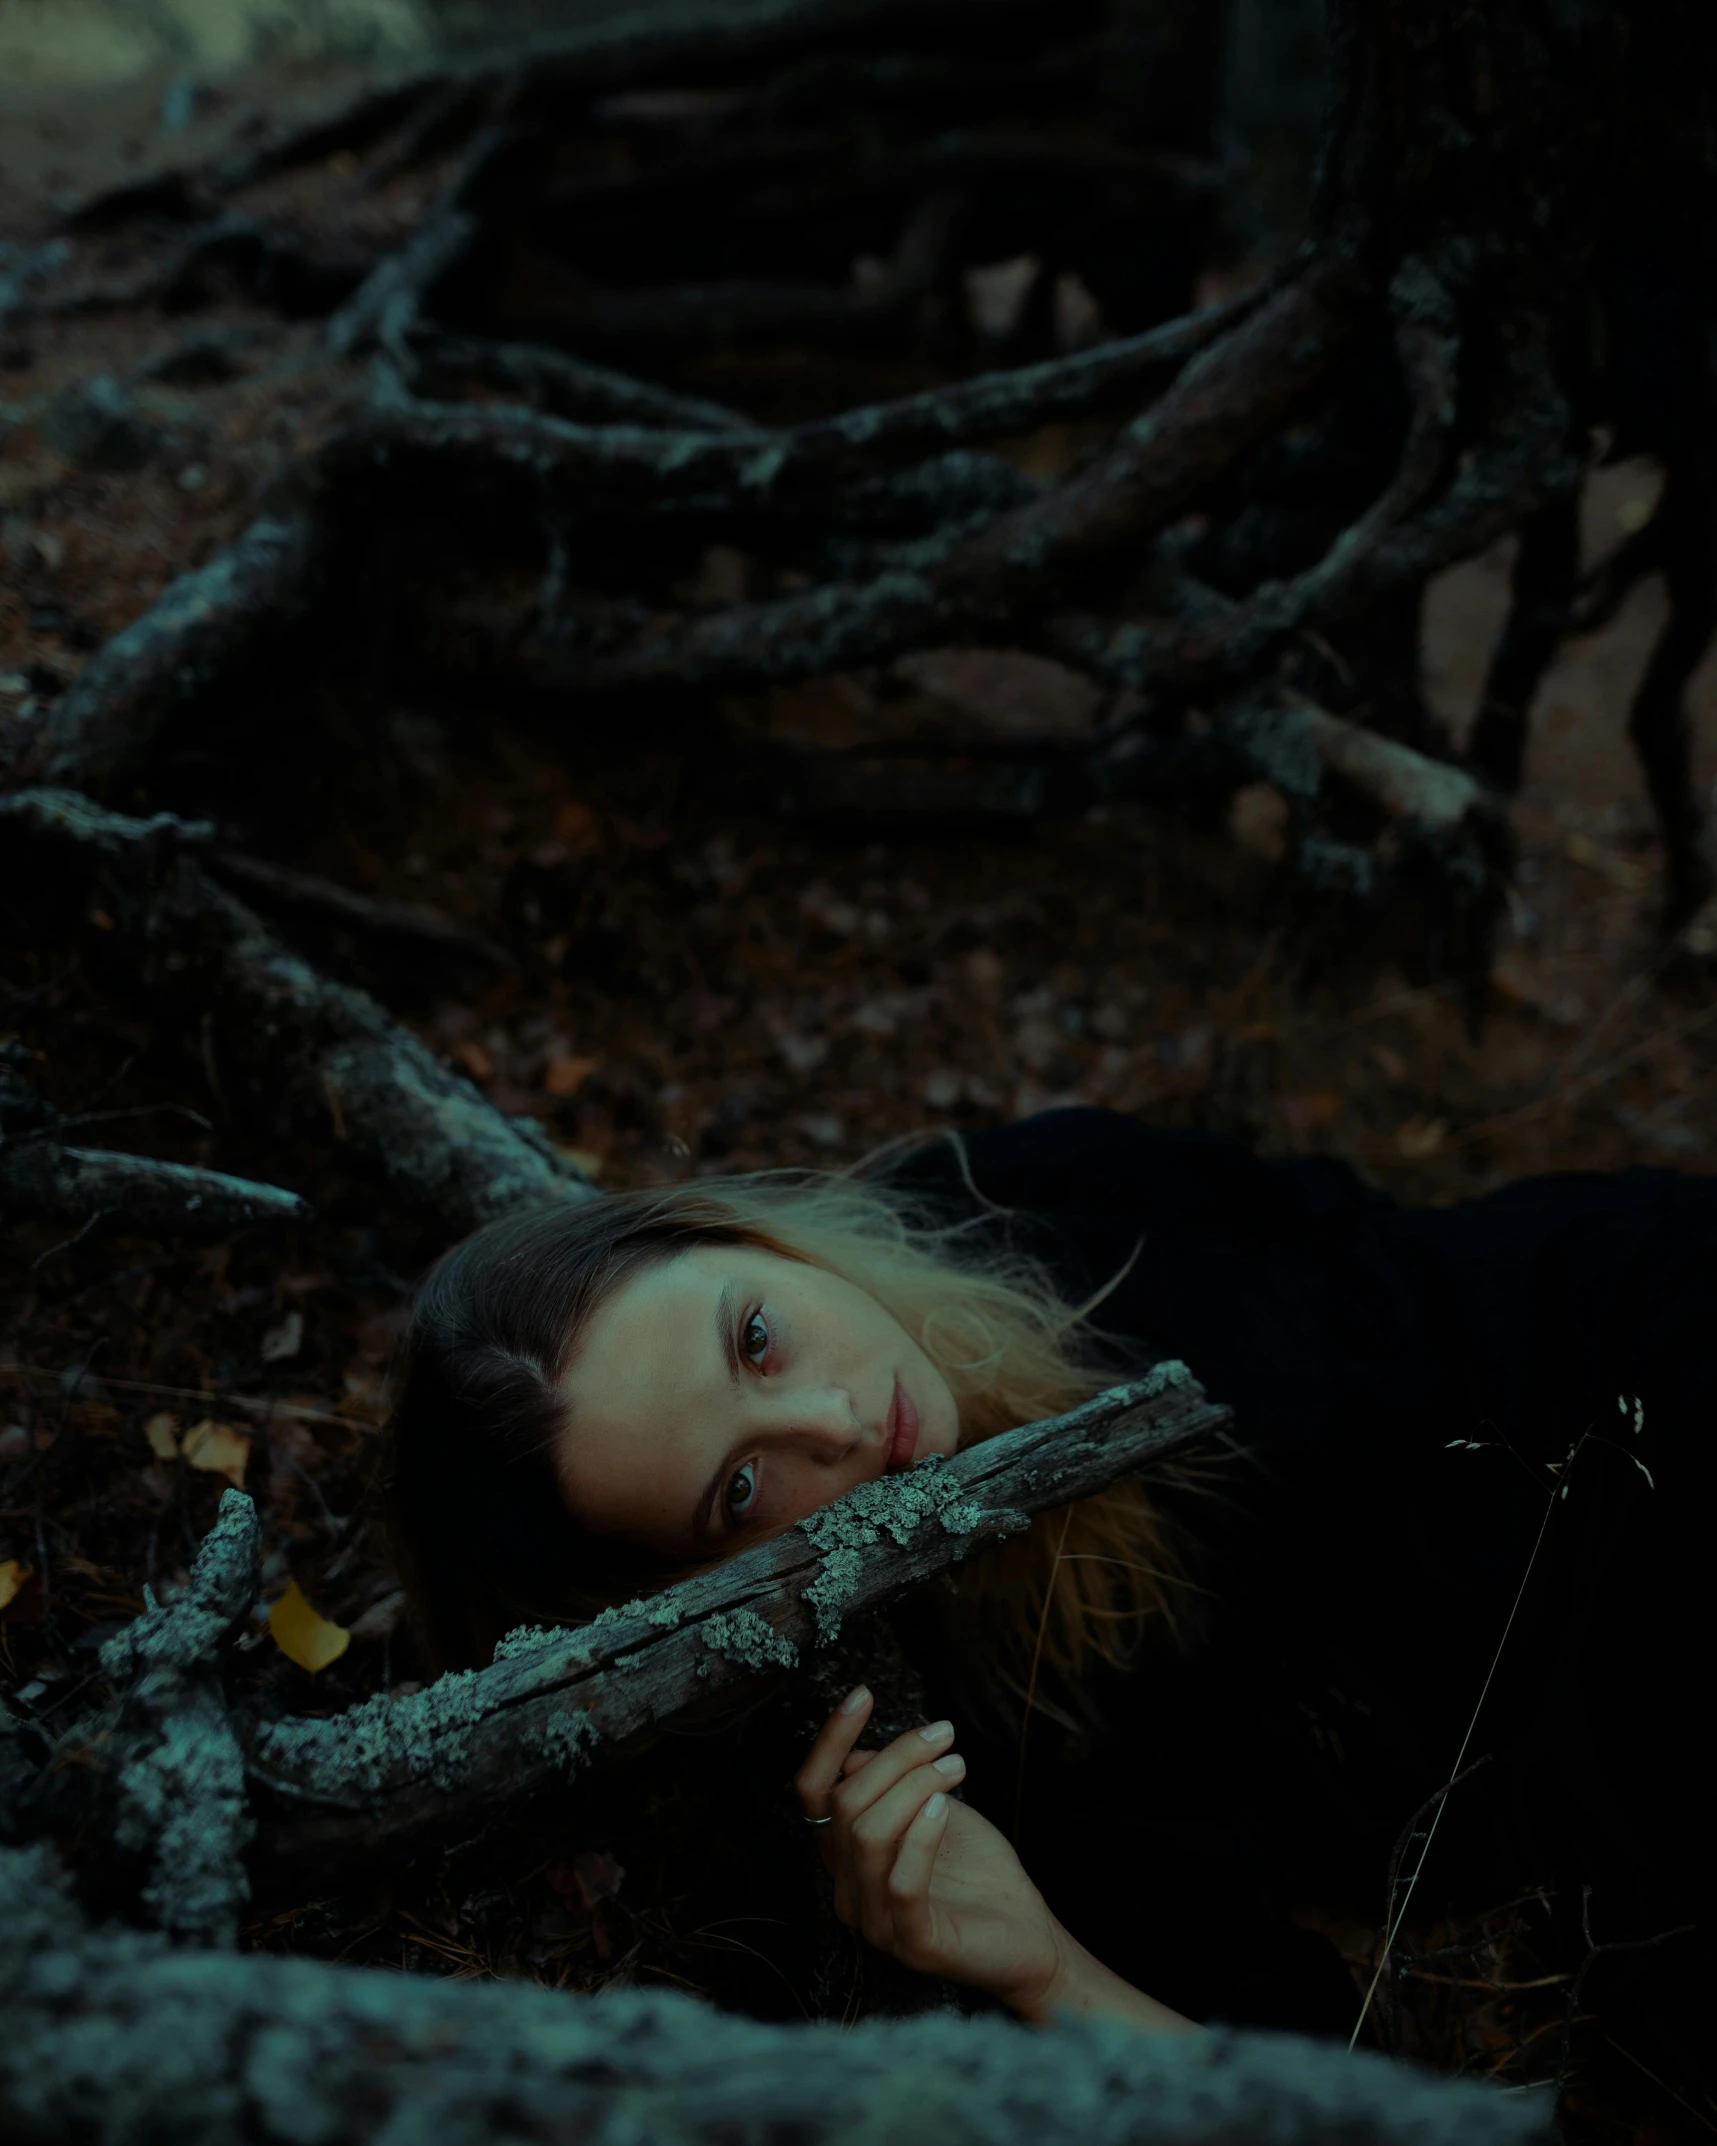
<point>953,1763</point>
<point>855,1699</point>
<point>937,1804</point>
<point>938,1732</point>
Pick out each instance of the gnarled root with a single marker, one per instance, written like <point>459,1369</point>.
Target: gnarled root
<point>325,1051</point>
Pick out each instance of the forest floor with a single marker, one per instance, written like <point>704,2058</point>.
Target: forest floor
<point>699,984</point>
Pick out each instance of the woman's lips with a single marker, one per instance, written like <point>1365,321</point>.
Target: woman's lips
<point>902,1431</point>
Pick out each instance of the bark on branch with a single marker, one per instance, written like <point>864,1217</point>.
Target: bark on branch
<point>389,1777</point>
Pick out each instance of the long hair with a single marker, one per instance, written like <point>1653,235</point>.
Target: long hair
<point>480,1524</point>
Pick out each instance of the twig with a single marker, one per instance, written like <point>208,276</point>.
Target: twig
<point>1442,1796</point>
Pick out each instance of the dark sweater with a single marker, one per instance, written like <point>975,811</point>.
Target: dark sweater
<point>1359,1566</point>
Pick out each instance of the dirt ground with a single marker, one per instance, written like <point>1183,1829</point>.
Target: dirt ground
<point>700,984</point>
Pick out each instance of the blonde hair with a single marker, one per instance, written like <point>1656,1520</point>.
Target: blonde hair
<point>500,1316</point>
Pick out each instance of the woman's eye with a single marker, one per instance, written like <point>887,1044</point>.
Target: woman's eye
<point>741,1492</point>
<point>754,1338</point>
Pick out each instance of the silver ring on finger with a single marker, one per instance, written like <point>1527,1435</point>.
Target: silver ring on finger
<point>816,1821</point>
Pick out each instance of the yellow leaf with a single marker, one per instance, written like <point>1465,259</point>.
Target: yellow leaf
<point>1621,872</point>
<point>12,1578</point>
<point>162,1432</point>
<point>302,1636</point>
<point>218,1449</point>
<point>585,1159</point>
<point>565,1076</point>
<point>1420,1138</point>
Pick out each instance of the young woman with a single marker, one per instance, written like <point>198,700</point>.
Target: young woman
<point>1475,1469</point>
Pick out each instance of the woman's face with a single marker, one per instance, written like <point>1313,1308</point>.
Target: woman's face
<point>722,1395</point>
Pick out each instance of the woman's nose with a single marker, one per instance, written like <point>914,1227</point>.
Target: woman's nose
<point>822,1420</point>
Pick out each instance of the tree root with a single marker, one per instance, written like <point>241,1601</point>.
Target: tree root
<point>1225,401</point>
<point>201,630</point>
<point>560,385</point>
<point>324,1052</point>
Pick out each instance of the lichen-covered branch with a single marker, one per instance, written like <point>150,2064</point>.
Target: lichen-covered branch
<point>112,2035</point>
<point>293,1038</point>
<point>394,1774</point>
<point>175,1772</point>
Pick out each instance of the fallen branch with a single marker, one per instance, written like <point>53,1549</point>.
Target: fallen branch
<point>1402,783</point>
<point>175,1773</point>
<point>110,2034</point>
<point>325,1051</point>
<point>391,1776</point>
<point>70,1186</point>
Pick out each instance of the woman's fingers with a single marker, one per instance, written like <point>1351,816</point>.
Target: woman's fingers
<point>877,1835</point>
<point>856,1792</point>
<point>909,1879</point>
<point>816,1779</point>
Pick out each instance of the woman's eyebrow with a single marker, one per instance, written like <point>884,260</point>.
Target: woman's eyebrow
<point>727,1329</point>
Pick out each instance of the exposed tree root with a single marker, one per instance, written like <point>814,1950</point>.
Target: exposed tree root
<point>292,1039</point>
<point>204,627</point>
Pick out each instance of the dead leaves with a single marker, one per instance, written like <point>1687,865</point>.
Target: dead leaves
<point>210,1447</point>
<point>14,1577</point>
<point>302,1634</point>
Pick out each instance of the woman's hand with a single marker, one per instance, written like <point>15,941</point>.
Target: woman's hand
<point>934,1885</point>
<point>924,1878</point>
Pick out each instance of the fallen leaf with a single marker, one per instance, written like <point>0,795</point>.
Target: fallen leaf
<point>476,1060</point>
<point>565,1076</point>
<point>284,1340</point>
<point>12,1578</point>
<point>1258,820</point>
<point>303,1636</point>
<point>1420,1138</point>
<point>1390,1061</point>
<point>217,1449</point>
<point>586,1159</point>
<point>162,1432</point>
<point>1621,872</point>
<point>1305,1113</point>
